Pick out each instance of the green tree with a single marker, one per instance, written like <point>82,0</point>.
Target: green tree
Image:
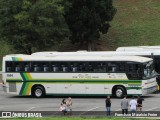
<point>32,24</point>
<point>87,19</point>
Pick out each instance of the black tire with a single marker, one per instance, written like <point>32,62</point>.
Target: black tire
<point>119,92</point>
<point>38,92</point>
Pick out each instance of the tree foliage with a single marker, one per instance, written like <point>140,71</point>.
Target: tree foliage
<point>87,19</point>
<point>28,24</point>
<point>38,24</point>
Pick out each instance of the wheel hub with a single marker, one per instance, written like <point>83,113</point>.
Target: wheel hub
<point>38,92</point>
<point>119,93</point>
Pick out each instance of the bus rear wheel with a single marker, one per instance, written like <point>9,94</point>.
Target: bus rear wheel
<point>119,92</point>
<point>38,92</point>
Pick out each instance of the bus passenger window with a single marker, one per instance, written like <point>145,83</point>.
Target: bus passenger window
<point>45,68</point>
<point>36,68</point>
<point>65,69</point>
<point>80,68</point>
<point>17,68</point>
<point>90,68</point>
<point>26,69</point>
<point>74,69</point>
<point>9,69</point>
<point>55,68</point>
<point>113,69</point>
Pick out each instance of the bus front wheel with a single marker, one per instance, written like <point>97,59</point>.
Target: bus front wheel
<point>38,91</point>
<point>119,92</point>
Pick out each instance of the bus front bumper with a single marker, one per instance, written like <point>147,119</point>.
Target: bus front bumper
<point>149,90</point>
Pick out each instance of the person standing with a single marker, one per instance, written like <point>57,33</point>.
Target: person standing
<point>68,105</point>
<point>108,105</point>
<point>133,106</point>
<point>139,103</point>
<point>124,105</point>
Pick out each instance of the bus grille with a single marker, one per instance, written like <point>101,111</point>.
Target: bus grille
<point>12,87</point>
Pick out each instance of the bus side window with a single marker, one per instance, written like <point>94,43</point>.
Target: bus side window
<point>9,66</point>
<point>74,68</point>
<point>114,69</point>
<point>54,68</point>
<point>45,68</point>
<point>80,68</point>
<point>36,68</point>
<point>90,67</point>
<point>9,69</point>
<point>26,69</point>
<point>17,68</point>
<point>64,68</point>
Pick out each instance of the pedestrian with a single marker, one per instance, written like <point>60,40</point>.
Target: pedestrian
<point>108,106</point>
<point>139,103</point>
<point>63,107</point>
<point>64,101</point>
<point>133,106</point>
<point>69,106</point>
<point>124,105</point>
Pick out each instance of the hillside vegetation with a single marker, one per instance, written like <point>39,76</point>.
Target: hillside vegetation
<point>137,22</point>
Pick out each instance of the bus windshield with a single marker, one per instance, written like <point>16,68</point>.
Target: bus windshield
<point>148,70</point>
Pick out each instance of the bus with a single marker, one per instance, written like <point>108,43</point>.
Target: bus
<point>78,76</point>
<point>151,52</point>
<point>138,48</point>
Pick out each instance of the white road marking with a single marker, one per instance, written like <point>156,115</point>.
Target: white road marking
<point>118,110</point>
<point>93,108</point>
<point>89,110</point>
<point>152,108</point>
<point>30,108</point>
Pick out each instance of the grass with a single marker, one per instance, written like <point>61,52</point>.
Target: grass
<point>135,23</point>
<point>78,118</point>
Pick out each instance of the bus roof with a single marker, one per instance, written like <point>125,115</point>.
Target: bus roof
<point>77,58</point>
<point>99,53</point>
<point>139,48</point>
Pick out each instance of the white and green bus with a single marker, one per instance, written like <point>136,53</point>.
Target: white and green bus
<point>78,75</point>
<point>138,48</point>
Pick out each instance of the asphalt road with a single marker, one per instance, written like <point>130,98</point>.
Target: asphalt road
<point>10,102</point>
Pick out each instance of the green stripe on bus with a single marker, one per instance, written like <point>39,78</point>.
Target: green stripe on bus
<point>137,88</point>
<point>26,77</point>
<point>23,85</point>
<point>26,88</point>
<point>75,81</point>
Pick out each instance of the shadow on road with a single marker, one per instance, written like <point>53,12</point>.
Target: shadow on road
<point>92,97</point>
